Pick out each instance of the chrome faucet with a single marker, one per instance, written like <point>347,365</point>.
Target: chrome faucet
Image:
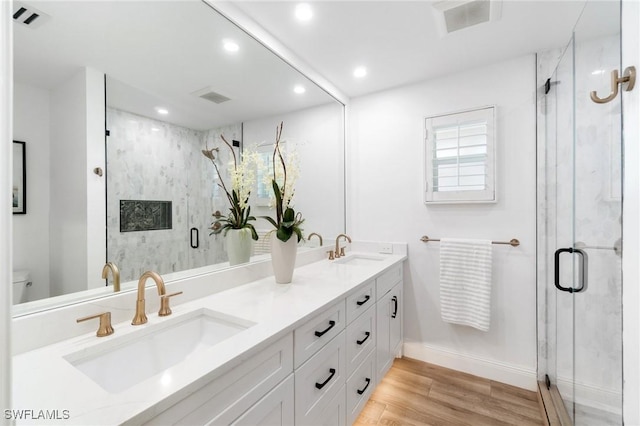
<point>340,251</point>
<point>141,316</point>
<point>315,234</point>
<point>114,272</point>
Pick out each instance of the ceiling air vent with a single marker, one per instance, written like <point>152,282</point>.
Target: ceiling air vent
<point>455,15</point>
<point>208,94</point>
<point>28,16</point>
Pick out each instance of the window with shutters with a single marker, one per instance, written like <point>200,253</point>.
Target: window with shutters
<point>460,157</point>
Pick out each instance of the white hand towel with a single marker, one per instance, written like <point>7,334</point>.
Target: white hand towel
<point>465,282</point>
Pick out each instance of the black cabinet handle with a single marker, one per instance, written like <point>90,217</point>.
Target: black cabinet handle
<point>333,373</point>
<point>366,299</point>
<point>360,342</point>
<point>361,391</point>
<point>582,272</point>
<point>195,242</point>
<point>394,299</point>
<point>321,333</point>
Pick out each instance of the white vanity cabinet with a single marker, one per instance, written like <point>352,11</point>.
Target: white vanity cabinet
<point>320,363</point>
<point>318,382</point>
<point>275,408</point>
<point>361,339</point>
<point>361,300</point>
<point>253,385</point>
<point>361,343</point>
<point>360,386</point>
<point>388,319</point>
<point>318,331</point>
<point>309,353</point>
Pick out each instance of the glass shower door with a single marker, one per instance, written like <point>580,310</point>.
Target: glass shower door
<point>584,235</point>
<point>598,218</point>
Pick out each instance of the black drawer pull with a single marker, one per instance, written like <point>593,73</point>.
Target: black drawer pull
<point>394,299</point>
<point>366,299</point>
<point>321,333</point>
<point>361,391</point>
<point>360,342</point>
<point>333,373</point>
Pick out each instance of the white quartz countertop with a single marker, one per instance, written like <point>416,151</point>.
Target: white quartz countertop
<point>46,384</point>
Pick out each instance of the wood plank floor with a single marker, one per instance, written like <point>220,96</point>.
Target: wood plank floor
<point>416,393</point>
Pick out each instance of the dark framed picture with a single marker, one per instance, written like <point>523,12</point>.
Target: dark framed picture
<point>19,187</point>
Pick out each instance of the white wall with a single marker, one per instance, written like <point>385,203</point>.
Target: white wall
<point>31,231</point>
<point>385,202</point>
<point>73,120</point>
<point>319,140</point>
<point>96,185</point>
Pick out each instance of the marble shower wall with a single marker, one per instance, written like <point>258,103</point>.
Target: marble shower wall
<point>153,160</point>
<point>580,338</point>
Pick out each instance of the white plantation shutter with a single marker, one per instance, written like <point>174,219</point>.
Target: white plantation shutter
<point>460,157</point>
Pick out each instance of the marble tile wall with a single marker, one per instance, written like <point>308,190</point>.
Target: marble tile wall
<point>153,160</point>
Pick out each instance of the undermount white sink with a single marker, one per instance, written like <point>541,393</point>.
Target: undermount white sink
<point>359,259</point>
<point>118,365</point>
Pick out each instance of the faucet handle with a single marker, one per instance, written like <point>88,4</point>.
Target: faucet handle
<point>331,257</point>
<point>342,252</point>
<point>164,304</point>
<point>105,328</point>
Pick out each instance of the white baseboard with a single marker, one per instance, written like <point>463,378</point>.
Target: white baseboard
<point>481,367</point>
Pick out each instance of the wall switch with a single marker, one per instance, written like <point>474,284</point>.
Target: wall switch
<point>386,248</point>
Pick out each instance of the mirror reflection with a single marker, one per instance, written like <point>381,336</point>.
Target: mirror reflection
<point>115,102</point>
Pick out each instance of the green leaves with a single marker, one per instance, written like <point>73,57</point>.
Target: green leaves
<point>278,195</point>
<point>238,218</point>
<point>288,224</point>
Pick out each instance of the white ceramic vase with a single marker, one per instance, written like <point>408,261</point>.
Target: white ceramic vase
<point>283,258</point>
<point>238,245</point>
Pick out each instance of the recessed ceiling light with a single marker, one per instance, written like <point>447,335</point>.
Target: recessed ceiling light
<point>230,45</point>
<point>304,12</point>
<point>299,89</point>
<point>360,72</point>
<point>162,111</point>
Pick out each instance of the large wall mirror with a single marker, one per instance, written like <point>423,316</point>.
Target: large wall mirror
<point>115,101</point>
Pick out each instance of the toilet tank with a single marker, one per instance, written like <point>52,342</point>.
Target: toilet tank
<point>21,282</point>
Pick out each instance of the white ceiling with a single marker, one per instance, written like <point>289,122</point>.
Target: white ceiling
<point>157,53</point>
<point>399,43</point>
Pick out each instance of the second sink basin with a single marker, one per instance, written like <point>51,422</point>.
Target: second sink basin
<point>359,259</point>
<point>117,365</point>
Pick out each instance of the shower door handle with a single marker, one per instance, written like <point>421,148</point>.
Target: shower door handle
<point>582,273</point>
<point>195,238</point>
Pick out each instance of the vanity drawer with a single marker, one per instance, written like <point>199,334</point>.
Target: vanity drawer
<point>225,398</point>
<point>360,301</point>
<point>316,332</point>
<point>360,387</point>
<point>388,279</point>
<point>361,339</point>
<point>318,380</point>
<point>334,413</point>
<point>276,408</point>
